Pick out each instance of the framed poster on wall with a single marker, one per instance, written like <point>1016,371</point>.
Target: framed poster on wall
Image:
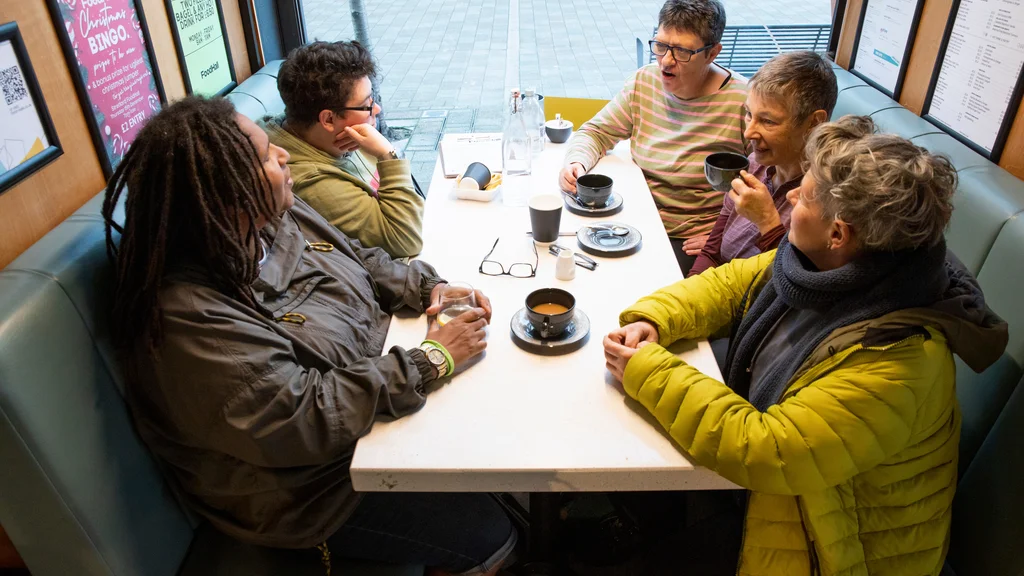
<point>201,39</point>
<point>885,36</point>
<point>977,83</point>
<point>28,140</point>
<point>107,48</point>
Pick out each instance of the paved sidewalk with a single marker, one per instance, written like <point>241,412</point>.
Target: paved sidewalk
<point>446,65</point>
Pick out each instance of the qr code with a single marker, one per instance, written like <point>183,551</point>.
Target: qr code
<point>13,85</point>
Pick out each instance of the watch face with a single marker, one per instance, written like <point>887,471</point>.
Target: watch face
<point>436,357</point>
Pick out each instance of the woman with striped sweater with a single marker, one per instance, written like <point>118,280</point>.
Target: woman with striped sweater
<point>675,113</point>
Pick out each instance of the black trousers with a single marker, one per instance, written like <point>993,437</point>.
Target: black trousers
<point>685,261</point>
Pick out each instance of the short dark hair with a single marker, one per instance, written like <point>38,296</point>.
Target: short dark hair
<point>705,18</point>
<point>805,80</point>
<point>319,76</point>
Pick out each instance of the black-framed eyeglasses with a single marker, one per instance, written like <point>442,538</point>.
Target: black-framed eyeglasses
<point>516,270</point>
<point>368,108</point>
<point>679,53</point>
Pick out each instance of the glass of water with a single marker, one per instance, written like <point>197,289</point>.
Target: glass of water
<point>456,298</point>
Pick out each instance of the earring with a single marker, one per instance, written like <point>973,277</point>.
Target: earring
<point>828,245</point>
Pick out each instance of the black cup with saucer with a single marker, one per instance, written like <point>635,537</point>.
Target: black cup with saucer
<point>613,205</point>
<point>550,324</point>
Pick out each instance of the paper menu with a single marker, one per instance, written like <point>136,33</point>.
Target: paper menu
<point>460,150</point>
<point>884,35</point>
<point>980,69</point>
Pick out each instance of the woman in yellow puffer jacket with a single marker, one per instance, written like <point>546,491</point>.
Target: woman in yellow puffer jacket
<point>840,413</point>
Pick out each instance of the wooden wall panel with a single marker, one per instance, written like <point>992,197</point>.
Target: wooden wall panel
<point>848,34</point>
<point>1013,155</point>
<point>44,199</point>
<point>236,37</point>
<point>934,15</point>
<point>160,36</point>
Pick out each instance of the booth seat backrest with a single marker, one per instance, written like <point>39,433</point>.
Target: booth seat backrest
<point>258,96</point>
<point>987,529</point>
<point>80,493</point>
<point>985,233</point>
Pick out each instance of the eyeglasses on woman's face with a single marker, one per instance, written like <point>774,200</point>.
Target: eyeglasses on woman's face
<point>679,53</point>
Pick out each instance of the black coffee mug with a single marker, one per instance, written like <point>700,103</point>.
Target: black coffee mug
<point>550,325</point>
<point>594,189</point>
<point>721,168</point>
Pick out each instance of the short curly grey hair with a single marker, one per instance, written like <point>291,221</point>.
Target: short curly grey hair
<point>894,194</point>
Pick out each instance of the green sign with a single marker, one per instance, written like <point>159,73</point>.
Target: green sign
<point>202,46</point>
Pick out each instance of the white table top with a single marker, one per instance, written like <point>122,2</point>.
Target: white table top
<point>514,421</point>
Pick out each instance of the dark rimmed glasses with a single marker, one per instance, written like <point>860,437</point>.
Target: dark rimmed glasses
<point>368,108</point>
<point>516,270</point>
<point>679,53</point>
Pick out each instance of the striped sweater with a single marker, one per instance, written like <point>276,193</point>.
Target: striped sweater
<point>670,139</point>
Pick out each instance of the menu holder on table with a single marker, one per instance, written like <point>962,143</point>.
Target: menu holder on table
<point>977,84</point>
<point>460,150</point>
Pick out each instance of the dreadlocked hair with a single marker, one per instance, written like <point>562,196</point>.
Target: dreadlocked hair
<point>192,180</point>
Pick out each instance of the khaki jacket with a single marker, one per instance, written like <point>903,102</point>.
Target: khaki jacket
<point>255,413</point>
<point>339,189</point>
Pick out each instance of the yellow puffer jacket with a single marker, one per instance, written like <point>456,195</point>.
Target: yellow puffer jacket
<point>853,471</point>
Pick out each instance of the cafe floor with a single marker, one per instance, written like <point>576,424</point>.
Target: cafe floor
<point>447,65</point>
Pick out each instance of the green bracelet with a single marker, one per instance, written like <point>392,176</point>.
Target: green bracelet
<point>447,357</point>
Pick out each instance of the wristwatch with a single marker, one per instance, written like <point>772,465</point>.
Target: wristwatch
<point>391,155</point>
<point>437,357</point>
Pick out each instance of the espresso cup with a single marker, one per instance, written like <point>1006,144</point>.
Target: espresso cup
<point>721,168</point>
<point>549,325</point>
<point>477,176</point>
<point>594,189</point>
<point>545,216</point>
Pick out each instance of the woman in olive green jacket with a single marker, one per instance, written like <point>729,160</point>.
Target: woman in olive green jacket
<point>840,414</point>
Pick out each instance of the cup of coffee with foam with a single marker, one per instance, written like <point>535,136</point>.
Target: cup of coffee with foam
<point>550,310</point>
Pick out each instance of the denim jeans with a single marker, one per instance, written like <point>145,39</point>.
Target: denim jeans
<point>460,533</point>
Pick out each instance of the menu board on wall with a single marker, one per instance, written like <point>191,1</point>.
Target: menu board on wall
<point>882,47</point>
<point>201,40</point>
<point>106,45</point>
<point>977,86</point>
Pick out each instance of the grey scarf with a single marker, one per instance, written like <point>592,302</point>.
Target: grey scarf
<point>871,286</point>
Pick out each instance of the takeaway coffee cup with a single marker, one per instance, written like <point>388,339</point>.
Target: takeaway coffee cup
<point>550,310</point>
<point>721,168</point>
<point>545,215</point>
<point>476,177</point>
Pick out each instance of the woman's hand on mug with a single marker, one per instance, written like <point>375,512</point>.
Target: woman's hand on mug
<point>464,337</point>
<point>567,177</point>
<point>754,202</point>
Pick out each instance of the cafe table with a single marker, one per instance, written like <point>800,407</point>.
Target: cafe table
<point>514,421</point>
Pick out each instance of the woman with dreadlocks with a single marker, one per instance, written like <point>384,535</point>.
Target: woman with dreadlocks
<point>251,332</point>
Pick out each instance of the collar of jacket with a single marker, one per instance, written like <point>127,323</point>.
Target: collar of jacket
<point>974,332</point>
<point>285,244</point>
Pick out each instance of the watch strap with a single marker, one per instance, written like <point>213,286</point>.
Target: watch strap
<point>449,362</point>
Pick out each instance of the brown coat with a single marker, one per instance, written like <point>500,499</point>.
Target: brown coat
<point>256,415</point>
